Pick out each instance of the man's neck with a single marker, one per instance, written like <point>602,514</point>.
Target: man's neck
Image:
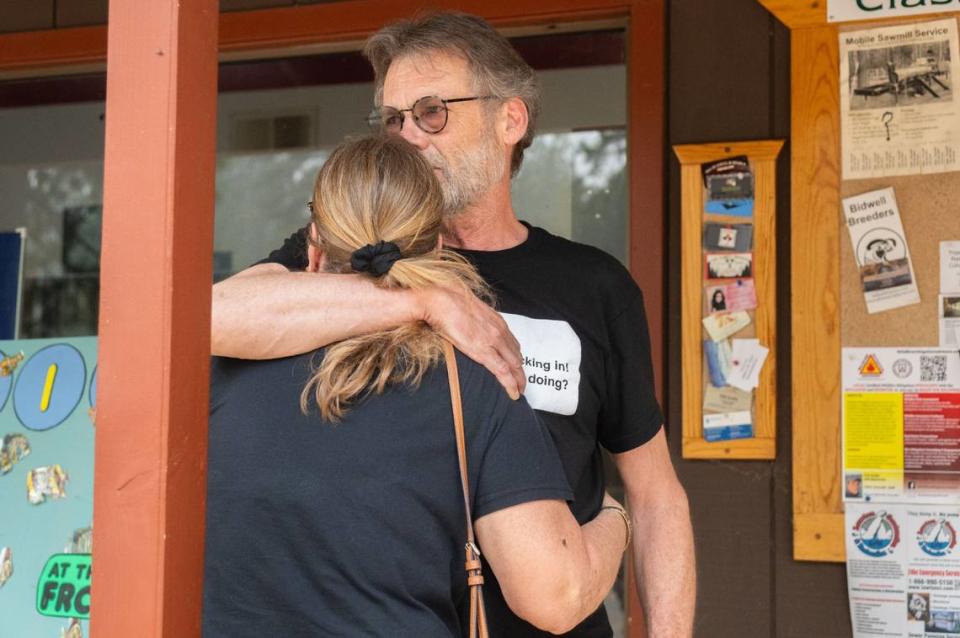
<point>490,224</point>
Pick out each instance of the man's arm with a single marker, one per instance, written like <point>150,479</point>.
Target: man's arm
<point>266,312</point>
<point>663,553</point>
<point>552,572</point>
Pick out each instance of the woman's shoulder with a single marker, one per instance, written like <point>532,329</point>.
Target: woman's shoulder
<point>476,381</point>
<point>487,401</point>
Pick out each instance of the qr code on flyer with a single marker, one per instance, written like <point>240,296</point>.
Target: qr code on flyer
<point>933,367</point>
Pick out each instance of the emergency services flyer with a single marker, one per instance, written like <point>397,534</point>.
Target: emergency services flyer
<point>903,569</point>
<point>901,425</point>
<point>898,114</point>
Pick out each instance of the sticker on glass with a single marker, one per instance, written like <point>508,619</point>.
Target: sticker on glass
<point>15,447</point>
<point>44,482</point>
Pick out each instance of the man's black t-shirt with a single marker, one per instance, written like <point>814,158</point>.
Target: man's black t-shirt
<point>355,528</point>
<point>580,321</point>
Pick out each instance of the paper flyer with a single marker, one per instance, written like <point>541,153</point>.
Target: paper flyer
<point>950,267</point>
<point>897,111</point>
<point>901,425</point>
<point>880,249</point>
<point>949,319</point>
<point>903,569</point>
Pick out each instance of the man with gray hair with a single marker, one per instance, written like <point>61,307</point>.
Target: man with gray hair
<point>455,89</point>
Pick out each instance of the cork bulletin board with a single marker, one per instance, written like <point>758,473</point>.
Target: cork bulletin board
<point>828,308</point>
<point>930,212</point>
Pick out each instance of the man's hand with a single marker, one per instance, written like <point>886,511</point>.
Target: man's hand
<point>478,331</point>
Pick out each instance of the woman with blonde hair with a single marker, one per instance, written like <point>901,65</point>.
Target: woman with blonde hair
<point>334,505</point>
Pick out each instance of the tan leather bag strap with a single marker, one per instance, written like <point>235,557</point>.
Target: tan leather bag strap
<point>478,614</point>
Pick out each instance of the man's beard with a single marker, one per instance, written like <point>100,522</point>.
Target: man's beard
<point>477,171</point>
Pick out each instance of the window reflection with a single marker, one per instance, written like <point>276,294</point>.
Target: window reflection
<point>278,120</point>
<point>574,185</point>
<point>261,199</point>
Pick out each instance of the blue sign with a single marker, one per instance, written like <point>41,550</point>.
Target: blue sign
<point>11,261</point>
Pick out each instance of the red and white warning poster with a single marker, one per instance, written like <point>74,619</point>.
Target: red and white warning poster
<point>901,425</point>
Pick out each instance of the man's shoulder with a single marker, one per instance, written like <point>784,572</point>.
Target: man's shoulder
<point>292,254</point>
<point>570,247</point>
<point>576,261</point>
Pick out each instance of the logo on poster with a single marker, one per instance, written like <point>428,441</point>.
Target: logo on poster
<point>902,368</point>
<point>870,367</point>
<point>880,246</point>
<point>876,534</point>
<point>937,537</point>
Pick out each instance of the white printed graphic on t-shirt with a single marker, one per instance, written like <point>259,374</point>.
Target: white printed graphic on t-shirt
<point>551,362</point>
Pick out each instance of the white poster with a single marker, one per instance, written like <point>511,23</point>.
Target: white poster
<point>950,267</point>
<point>881,251</point>
<point>903,570</point>
<point>901,490</point>
<point>897,110</point>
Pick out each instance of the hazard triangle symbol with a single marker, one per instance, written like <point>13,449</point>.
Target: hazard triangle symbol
<point>870,366</point>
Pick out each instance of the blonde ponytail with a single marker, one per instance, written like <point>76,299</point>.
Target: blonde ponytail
<point>370,190</point>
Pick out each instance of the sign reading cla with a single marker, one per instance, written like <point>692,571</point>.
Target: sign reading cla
<point>847,10</point>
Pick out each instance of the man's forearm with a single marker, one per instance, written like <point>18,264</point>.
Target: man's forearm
<point>268,312</point>
<point>604,538</point>
<point>664,566</point>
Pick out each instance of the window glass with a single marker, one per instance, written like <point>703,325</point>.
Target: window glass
<point>51,177</point>
<point>278,120</point>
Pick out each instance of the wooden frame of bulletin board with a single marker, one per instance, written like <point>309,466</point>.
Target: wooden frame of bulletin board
<point>828,308</point>
<point>763,157</point>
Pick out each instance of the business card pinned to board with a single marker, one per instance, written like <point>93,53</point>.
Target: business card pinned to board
<point>727,426</point>
<point>722,325</point>
<point>746,362</point>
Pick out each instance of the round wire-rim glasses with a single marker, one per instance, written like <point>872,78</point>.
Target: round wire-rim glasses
<point>429,113</point>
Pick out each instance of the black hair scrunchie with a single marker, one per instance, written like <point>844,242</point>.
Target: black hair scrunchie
<point>376,259</point>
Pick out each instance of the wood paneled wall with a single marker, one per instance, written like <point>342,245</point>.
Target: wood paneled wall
<point>729,79</point>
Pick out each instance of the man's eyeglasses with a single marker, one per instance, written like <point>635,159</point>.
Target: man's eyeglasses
<point>429,114</point>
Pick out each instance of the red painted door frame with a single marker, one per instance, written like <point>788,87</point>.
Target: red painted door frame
<point>291,29</point>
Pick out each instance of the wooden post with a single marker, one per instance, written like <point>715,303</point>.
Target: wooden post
<point>646,106</point>
<point>150,459</point>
